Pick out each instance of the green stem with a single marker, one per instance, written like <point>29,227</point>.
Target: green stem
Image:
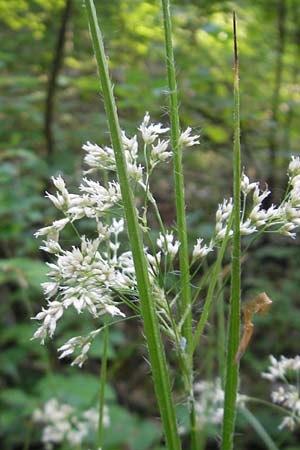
<point>178,178</point>
<point>221,332</point>
<point>155,348</point>
<point>268,441</point>
<point>232,369</point>
<point>193,422</point>
<point>277,408</point>
<point>212,286</point>
<point>102,386</point>
<point>185,287</point>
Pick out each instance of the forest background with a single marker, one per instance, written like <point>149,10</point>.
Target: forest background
<point>50,106</point>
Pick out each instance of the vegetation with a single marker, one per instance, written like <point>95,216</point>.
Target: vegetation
<point>50,107</point>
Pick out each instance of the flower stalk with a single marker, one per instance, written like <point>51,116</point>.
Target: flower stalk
<point>185,308</point>
<point>232,368</point>
<point>152,333</point>
<point>178,179</point>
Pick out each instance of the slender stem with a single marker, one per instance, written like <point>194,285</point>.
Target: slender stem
<point>178,178</point>
<point>268,441</point>
<point>155,348</point>
<point>53,77</point>
<point>277,408</point>
<point>102,387</point>
<point>212,286</point>
<point>185,307</point>
<point>221,331</point>
<point>193,422</point>
<point>232,369</point>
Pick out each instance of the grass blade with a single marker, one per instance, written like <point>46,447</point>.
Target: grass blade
<point>257,426</point>
<point>178,178</point>
<point>232,369</point>
<point>153,338</point>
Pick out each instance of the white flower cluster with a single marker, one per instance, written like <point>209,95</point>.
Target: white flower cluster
<point>94,202</point>
<point>167,244</point>
<point>284,373</point>
<point>209,403</point>
<point>91,276</point>
<point>222,217</point>
<point>186,140</point>
<point>81,343</point>
<point>283,219</point>
<point>155,150</point>
<point>84,278</point>
<point>200,251</point>
<point>62,424</point>
<point>209,400</point>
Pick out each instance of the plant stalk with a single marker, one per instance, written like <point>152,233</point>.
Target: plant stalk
<point>178,179</point>
<point>211,289</point>
<point>155,348</point>
<point>185,308</point>
<point>232,369</point>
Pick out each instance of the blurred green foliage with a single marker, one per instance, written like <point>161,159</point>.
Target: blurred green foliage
<point>269,47</point>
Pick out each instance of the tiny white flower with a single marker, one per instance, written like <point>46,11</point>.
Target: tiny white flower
<point>294,166</point>
<point>135,171</point>
<point>130,145</point>
<point>59,183</point>
<point>153,260</point>
<point>117,226</point>
<point>246,228</point>
<point>224,210</point>
<point>50,288</point>
<point>98,157</point>
<point>222,233</point>
<point>53,230</point>
<point>167,244</point>
<point>295,181</point>
<point>151,131</point>
<point>258,216</point>
<point>59,201</point>
<point>114,311</point>
<point>259,197</point>
<point>246,186</point>
<point>200,251</point>
<point>186,140</point>
<point>288,422</point>
<point>159,151</point>
<point>50,316</point>
<point>286,230</point>
<point>271,213</point>
<point>51,246</point>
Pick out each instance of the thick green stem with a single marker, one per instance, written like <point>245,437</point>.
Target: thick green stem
<point>102,387</point>
<point>151,326</point>
<point>179,179</point>
<point>232,369</point>
<point>185,287</point>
